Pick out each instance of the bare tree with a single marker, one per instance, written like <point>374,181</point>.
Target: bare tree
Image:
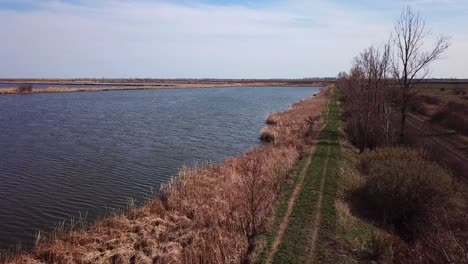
<point>364,89</point>
<point>410,61</point>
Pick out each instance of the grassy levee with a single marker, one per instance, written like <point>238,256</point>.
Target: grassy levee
<point>329,215</point>
<point>281,210</point>
<point>318,194</point>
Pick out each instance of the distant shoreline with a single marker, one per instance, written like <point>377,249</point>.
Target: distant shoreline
<point>166,84</point>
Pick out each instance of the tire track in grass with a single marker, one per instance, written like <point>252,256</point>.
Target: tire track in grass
<point>292,200</point>
<point>284,224</point>
<point>316,224</point>
<point>304,232</point>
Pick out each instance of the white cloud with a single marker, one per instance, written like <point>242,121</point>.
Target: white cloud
<point>113,38</point>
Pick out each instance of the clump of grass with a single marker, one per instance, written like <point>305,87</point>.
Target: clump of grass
<point>402,187</point>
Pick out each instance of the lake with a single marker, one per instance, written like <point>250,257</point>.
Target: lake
<point>66,154</point>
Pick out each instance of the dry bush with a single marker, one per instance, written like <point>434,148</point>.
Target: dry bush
<point>429,99</point>
<point>444,242</point>
<point>419,104</point>
<point>459,91</point>
<point>453,115</point>
<point>402,187</point>
<point>24,88</point>
<point>209,214</point>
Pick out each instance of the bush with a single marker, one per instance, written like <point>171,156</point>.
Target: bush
<point>402,187</point>
<point>459,91</point>
<point>453,115</point>
<point>25,88</point>
<point>418,106</point>
<point>431,99</point>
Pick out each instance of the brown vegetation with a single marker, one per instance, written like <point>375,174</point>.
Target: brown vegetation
<point>74,86</point>
<point>402,187</point>
<point>207,215</point>
<point>24,88</point>
<point>452,115</point>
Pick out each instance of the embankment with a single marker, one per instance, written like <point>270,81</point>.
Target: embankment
<point>207,215</point>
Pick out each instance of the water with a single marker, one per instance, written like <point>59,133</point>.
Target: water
<point>66,153</point>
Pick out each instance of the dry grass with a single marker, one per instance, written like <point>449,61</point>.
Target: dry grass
<point>207,215</point>
<point>123,87</point>
<point>293,126</point>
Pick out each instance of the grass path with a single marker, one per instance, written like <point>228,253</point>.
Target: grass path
<point>284,224</point>
<point>310,209</point>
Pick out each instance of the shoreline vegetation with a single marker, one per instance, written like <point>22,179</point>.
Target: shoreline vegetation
<point>210,214</point>
<point>127,85</point>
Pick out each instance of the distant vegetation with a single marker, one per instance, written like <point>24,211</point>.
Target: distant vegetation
<point>452,115</point>
<point>24,88</point>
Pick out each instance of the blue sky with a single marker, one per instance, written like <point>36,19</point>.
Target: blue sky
<point>207,38</point>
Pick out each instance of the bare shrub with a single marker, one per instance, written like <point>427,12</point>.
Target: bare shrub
<point>453,115</point>
<point>402,187</point>
<point>459,91</point>
<point>430,99</point>
<point>419,106</point>
<point>24,88</point>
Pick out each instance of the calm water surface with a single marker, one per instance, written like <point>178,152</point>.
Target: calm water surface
<point>66,153</point>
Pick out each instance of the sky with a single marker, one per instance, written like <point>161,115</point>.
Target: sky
<point>211,39</point>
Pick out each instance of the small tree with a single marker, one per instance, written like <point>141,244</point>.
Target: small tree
<point>410,61</point>
<point>24,88</point>
<point>364,91</point>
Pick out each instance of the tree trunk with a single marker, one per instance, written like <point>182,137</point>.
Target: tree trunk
<point>403,123</point>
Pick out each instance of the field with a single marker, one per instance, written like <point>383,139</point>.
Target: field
<point>439,121</point>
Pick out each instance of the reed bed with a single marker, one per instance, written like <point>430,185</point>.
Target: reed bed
<point>210,214</point>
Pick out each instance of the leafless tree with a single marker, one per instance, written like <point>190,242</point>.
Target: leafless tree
<point>364,89</point>
<point>410,60</point>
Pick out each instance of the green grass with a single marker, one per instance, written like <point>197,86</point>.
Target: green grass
<point>281,210</point>
<point>296,246</point>
<point>345,238</point>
